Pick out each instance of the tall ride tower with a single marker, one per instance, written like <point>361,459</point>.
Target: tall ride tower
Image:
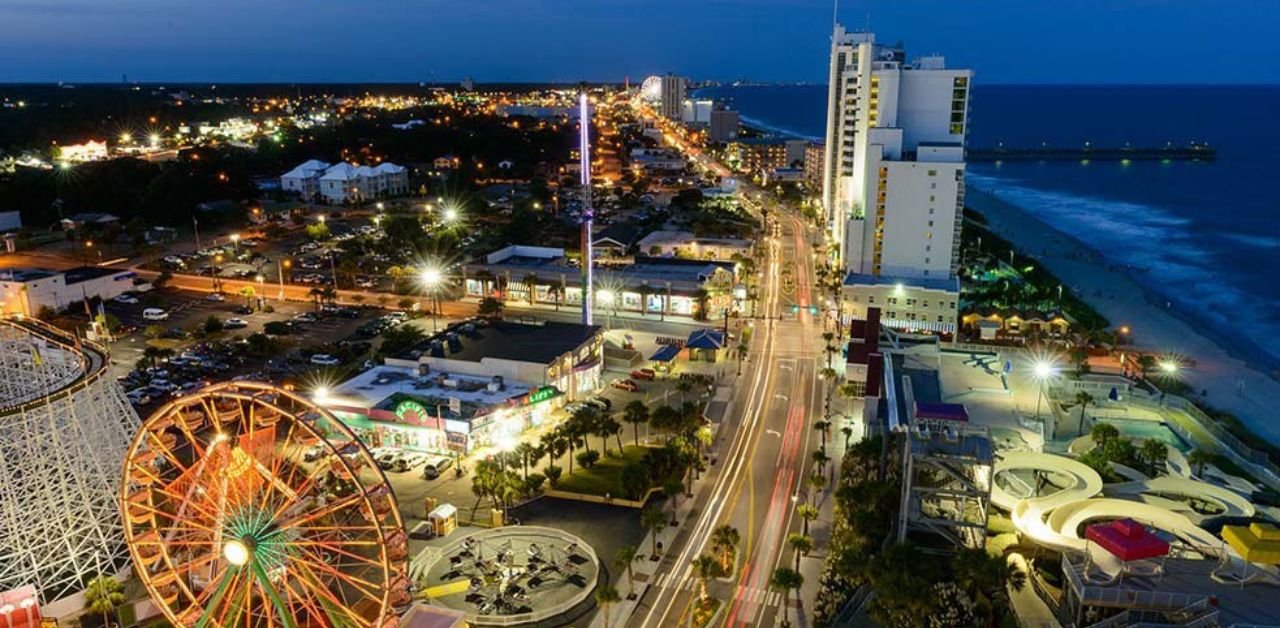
<point>588,214</point>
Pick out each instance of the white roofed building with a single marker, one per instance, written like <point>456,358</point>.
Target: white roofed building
<point>343,182</point>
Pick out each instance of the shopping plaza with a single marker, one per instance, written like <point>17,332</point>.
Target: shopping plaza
<point>473,385</point>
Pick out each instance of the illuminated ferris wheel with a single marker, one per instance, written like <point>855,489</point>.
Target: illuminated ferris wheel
<point>246,505</point>
<point>651,89</point>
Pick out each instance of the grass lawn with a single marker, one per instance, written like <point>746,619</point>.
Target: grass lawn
<point>605,476</point>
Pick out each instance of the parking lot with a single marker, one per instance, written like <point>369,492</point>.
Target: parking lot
<point>194,356</point>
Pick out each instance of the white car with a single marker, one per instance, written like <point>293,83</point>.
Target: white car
<point>216,296</point>
<point>235,323</point>
<point>324,359</point>
<point>155,314</point>
<point>127,299</point>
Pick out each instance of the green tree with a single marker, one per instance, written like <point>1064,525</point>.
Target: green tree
<point>626,558</point>
<point>704,569</point>
<point>636,413</point>
<point>212,325</point>
<point>1101,433</point>
<point>103,594</point>
<point>248,293</point>
<point>786,579</point>
<point>1198,458</point>
<point>807,514</point>
<point>653,520</point>
<point>318,231</point>
<point>987,580</point>
<point>606,596</point>
<point>801,544</point>
<point>400,339</point>
<point>1084,399</point>
<point>634,480</point>
<point>1153,452</point>
<point>724,542</point>
<point>490,307</point>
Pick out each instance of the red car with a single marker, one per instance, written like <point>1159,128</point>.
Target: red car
<point>626,384</point>
<point>645,374</point>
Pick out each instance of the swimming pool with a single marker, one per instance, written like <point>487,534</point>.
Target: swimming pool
<point>1138,428</point>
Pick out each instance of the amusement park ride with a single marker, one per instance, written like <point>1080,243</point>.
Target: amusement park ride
<point>228,524</point>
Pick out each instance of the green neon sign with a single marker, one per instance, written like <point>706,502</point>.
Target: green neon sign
<point>410,406</point>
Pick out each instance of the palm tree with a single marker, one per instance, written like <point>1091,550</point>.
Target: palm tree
<point>645,291</point>
<point>725,540</point>
<point>802,544</point>
<point>987,580</point>
<point>556,290</point>
<point>786,580</point>
<point>683,387</point>
<point>1198,458</point>
<point>807,513</point>
<point>820,460</point>
<point>530,283</point>
<point>673,487</point>
<point>606,596</point>
<point>1153,452</point>
<point>248,293</point>
<point>816,483</point>
<point>522,451</point>
<point>742,354</point>
<point>654,520</point>
<point>848,432</point>
<point>1103,432</point>
<point>103,594</point>
<point>1146,362</point>
<point>823,427</point>
<point>626,558</point>
<point>705,568</point>
<point>1084,399</point>
<point>636,413</point>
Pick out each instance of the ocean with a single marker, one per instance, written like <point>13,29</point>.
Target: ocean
<point>1204,235</point>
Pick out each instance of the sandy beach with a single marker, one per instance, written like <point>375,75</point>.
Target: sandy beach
<point>1221,371</point>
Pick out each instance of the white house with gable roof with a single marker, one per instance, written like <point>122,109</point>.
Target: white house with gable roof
<point>344,182</point>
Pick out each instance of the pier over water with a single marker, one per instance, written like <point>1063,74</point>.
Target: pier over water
<point>1192,152</point>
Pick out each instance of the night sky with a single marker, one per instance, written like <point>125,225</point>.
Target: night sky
<point>1005,41</point>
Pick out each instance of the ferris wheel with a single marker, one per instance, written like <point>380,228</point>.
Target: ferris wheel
<point>246,505</point>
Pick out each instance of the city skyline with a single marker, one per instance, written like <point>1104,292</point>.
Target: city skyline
<point>777,41</point>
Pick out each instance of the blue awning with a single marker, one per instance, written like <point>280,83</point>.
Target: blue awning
<point>665,354</point>
<point>706,339</point>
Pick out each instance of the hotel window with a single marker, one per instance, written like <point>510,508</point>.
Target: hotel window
<point>939,319</point>
<point>933,173</point>
<point>871,299</point>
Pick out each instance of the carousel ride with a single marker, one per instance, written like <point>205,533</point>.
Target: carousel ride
<point>247,505</point>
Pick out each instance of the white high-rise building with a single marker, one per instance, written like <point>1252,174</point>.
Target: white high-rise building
<point>673,89</point>
<point>893,179</point>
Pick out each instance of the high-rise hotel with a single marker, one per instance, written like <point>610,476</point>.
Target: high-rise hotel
<point>893,180</point>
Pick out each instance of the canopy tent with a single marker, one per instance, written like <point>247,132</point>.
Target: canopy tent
<point>1258,543</point>
<point>665,354</point>
<point>1127,540</point>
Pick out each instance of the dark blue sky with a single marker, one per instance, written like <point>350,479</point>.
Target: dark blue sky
<point>1006,41</point>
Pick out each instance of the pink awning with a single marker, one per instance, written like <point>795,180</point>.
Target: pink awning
<point>1127,540</point>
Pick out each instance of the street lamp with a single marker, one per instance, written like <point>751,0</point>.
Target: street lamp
<point>431,278</point>
<point>450,214</point>
<point>281,265</point>
<point>321,218</point>
<point>235,242</point>
<point>1041,371</point>
<point>1169,368</point>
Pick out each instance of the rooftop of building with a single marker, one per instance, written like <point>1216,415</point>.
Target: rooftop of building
<point>654,270</point>
<point>386,386</point>
<point>536,341</point>
<point>927,283</point>
<point>86,273</point>
<point>26,274</point>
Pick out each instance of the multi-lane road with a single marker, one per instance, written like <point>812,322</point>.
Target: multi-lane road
<point>763,453</point>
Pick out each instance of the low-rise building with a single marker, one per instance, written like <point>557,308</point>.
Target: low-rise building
<point>438,412</point>
<point>543,353</point>
<point>346,183</point>
<point>79,153</point>
<point>88,220</point>
<point>723,127</point>
<point>906,304</point>
<point>657,286</point>
<point>686,245</point>
<point>761,154</point>
<point>28,290</point>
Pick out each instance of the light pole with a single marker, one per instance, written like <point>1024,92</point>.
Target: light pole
<point>607,298</point>
<point>261,282</point>
<point>1041,371</point>
<point>235,242</point>
<point>431,278</point>
<point>282,264</point>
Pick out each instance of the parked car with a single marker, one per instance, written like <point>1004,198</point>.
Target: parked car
<point>127,299</point>
<point>235,323</point>
<point>604,403</point>
<point>645,374</point>
<point>305,317</point>
<point>324,359</point>
<point>155,314</point>
<point>626,384</point>
<point>216,296</point>
<point>408,460</point>
<point>433,468</point>
<point>243,310</point>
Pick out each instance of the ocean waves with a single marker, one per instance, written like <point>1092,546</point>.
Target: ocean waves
<point>1201,272</point>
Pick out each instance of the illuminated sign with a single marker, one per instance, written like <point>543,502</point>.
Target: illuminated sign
<point>542,394</point>
<point>412,411</point>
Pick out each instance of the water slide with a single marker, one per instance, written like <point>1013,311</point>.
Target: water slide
<point>1053,520</point>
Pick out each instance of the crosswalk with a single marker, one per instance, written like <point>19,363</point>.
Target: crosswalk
<point>744,594</point>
